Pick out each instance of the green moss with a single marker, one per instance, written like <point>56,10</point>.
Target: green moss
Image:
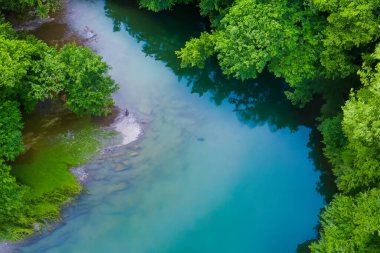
<point>55,141</point>
<point>46,167</point>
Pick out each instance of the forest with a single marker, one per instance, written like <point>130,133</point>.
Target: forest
<point>323,49</point>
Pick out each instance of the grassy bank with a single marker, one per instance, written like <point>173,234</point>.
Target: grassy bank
<point>35,159</point>
<point>55,141</point>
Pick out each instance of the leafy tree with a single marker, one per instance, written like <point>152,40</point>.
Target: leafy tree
<point>351,224</point>
<point>197,51</point>
<point>13,208</point>
<point>10,130</point>
<point>352,140</point>
<point>87,87</point>
<point>17,56</point>
<point>46,77</point>
<point>350,25</point>
<point>254,35</point>
<point>361,124</point>
<point>31,71</point>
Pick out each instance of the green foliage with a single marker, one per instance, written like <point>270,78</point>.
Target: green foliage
<point>6,30</point>
<point>17,58</point>
<point>87,87</point>
<point>46,78</point>
<point>351,224</point>
<point>361,124</point>
<point>11,196</point>
<point>30,72</point>
<point>297,41</point>
<point>333,138</point>
<point>160,5</point>
<point>351,24</point>
<point>370,71</point>
<point>352,140</point>
<point>13,222</point>
<point>254,35</point>
<point>207,7</point>
<point>10,130</point>
<point>197,51</point>
<point>43,7</point>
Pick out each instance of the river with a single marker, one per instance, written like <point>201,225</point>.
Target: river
<point>220,165</point>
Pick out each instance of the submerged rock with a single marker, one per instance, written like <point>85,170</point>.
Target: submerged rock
<point>200,139</point>
<point>134,154</point>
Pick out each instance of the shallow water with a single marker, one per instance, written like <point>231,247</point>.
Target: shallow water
<point>221,166</point>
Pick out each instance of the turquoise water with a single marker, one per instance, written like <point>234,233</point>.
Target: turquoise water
<point>221,166</point>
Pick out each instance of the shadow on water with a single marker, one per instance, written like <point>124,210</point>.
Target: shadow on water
<point>256,102</point>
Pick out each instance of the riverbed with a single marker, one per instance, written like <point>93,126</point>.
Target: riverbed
<point>221,165</point>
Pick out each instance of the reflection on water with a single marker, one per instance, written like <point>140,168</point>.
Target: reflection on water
<point>256,102</point>
<point>200,179</point>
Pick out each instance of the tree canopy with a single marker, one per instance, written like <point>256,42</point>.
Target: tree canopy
<point>351,224</point>
<point>294,40</point>
<point>32,72</point>
<point>352,139</point>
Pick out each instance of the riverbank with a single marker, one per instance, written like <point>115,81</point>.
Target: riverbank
<point>58,147</point>
<point>56,142</point>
